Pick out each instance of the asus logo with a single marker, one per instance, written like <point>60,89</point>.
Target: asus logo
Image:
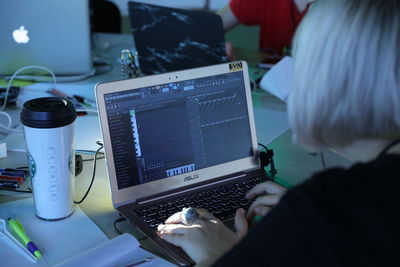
<point>188,178</point>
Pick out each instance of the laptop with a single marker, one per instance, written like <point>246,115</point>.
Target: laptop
<point>49,33</point>
<point>169,39</point>
<point>180,139</point>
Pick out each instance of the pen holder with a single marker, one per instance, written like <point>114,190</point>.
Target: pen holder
<point>49,136</point>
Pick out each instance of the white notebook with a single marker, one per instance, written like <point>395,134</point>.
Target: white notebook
<point>123,250</point>
<point>74,241</point>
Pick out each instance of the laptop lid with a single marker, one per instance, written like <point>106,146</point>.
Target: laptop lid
<point>177,129</point>
<point>50,33</point>
<point>169,39</point>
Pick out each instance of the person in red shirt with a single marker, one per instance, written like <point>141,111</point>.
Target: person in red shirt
<point>278,20</point>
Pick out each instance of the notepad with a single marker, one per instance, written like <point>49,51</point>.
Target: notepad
<point>57,240</point>
<point>123,250</point>
<point>11,246</point>
<point>74,241</point>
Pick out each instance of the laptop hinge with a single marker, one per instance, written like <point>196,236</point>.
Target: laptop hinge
<point>195,187</point>
<point>186,189</point>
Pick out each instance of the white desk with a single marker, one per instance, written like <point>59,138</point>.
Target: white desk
<point>294,164</point>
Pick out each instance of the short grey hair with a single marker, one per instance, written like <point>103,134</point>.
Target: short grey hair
<point>347,73</point>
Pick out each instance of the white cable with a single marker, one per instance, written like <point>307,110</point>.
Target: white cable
<point>8,89</point>
<point>72,78</point>
<point>19,71</point>
<point>8,127</point>
<point>8,117</point>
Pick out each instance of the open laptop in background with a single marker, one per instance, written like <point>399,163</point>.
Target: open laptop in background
<point>180,139</point>
<point>169,39</point>
<point>50,33</point>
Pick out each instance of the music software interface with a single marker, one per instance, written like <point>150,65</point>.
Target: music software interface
<point>166,130</point>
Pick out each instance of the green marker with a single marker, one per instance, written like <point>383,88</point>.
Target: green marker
<point>19,230</point>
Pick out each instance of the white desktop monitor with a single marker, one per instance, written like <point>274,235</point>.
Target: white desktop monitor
<point>50,33</point>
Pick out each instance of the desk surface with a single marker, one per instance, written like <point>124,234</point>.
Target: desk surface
<point>294,163</point>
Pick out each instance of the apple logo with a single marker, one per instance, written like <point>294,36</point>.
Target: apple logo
<point>21,35</point>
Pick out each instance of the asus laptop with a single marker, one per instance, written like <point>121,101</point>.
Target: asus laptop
<point>50,33</point>
<point>179,139</point>
<point>169,39</point>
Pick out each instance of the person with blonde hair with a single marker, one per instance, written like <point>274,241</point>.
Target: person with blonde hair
<point>346,97</point>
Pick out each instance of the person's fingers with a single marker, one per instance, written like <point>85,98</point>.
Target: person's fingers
<point>265,188</point>
<point>262,210</point>
<point>174,219</point>
<point>240,223</point>
<point>229,51</point>
<point>268,200</point>
<point>255,191</point>
<point>173,239</point>
<point>177,229</point>
<point>177,217</point>
<point>160,227</point>
<point>204,214</point>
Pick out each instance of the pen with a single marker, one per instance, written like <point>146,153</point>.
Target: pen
<point>5,186</point>
<point>84,100</point>
<point>8,178</point>
<point>13,170</point>
<point>140,262</point>
<point>81,113</point>
<point>19,230</point>
<point>12,174</point>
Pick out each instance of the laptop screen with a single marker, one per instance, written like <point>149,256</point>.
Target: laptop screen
<point>41,32</point>
<point>166,130</point>
<point>169,39</point>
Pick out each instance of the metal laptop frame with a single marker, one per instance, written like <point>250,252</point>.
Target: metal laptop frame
<point>124,200</point>
<point>134,193</point>
<point>57,41</point>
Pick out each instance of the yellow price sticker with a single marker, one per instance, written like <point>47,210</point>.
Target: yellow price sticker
<point>235,66</point>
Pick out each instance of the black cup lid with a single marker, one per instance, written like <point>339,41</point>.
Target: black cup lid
<point>48,112</point>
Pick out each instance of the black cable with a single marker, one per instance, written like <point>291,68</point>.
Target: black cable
<point>321,155</point>
<point>262,146</point>
<point>93,175</point>
<point>272,170</point>
<point>118,221</point>
<point>85,160</point>
<point>269,154</point>
<point>388,147</point>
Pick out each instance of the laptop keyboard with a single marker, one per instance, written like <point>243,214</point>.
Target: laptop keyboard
<point>222,201</point>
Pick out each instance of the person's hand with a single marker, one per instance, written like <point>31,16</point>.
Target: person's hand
<point>207,238</point>
<point>268,195</point>
<point>230,54</point>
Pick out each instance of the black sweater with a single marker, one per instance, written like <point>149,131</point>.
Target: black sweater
<point>337,218</point>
